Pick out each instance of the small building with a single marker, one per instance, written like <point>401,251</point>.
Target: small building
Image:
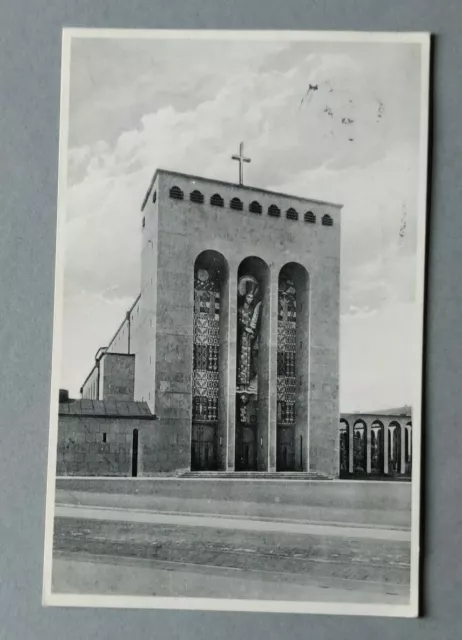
<point>106,438</point>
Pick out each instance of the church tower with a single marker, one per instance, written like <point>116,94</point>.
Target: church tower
<point>237,333</point>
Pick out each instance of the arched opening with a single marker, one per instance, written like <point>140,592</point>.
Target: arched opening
<point>209,360</point>
<point>408,450</point>
<point>359,448</point>
<point>377,448</point>
<point>344,448</point>
<point>255,207</point>
<point>292,368</point>
<point>236,204</point>
<point>252,366</point>
<point>196,196</point>
<point>292,214</point>
<point>310,217</point>
<point>274,210</point>
<point>176,193</point>
<point>394,448</point>
<point>216,200</point>
<point>135,453</point>
<point>327,220</point>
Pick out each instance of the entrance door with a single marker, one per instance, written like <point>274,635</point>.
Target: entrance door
<point>135,454</point>
<point>246,448</point>
<point>285,459</point>
<point>203,448</point>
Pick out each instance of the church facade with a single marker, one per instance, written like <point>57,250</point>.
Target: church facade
<point>233,342</point>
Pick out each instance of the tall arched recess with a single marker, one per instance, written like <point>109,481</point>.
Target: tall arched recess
<point>344,449</point>
<point>292,369</point>
<point>252,365</point>
<point>377,448</point>
<point>210,362</point>
<point>394,448</point>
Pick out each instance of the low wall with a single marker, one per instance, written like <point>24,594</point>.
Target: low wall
<point>390,496</point>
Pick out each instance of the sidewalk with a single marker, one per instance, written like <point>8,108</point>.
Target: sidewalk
<point>345,516</point>
<point>234,523</point>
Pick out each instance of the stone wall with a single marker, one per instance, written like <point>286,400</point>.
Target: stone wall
<point>144,325</point>
<point>96,438</point>
<point>117,376</point>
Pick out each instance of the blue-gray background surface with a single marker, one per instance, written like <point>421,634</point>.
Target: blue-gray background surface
<point>30,48</point>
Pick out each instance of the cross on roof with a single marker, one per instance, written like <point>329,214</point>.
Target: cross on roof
<point>240,158</point>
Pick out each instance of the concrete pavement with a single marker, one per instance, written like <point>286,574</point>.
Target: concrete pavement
<point>119,576</point>
<point>236,524</point>
<point>270,508</point>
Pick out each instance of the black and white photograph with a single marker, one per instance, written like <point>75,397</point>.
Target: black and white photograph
<point>235,414</point>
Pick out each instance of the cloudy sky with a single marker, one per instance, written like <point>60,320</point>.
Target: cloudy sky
<point>136,105</point>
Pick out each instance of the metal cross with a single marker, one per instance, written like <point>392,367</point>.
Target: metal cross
<point>240,158</point>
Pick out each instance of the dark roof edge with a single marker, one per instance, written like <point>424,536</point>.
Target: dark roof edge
<point>233,184</point>
<point>80,414</point>
<point>359,415</point>
<point>119,353</point>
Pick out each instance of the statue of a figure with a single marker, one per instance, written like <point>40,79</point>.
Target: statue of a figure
<point>247,334</point>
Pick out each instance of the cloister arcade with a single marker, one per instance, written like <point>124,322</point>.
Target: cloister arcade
<point>375,445</point>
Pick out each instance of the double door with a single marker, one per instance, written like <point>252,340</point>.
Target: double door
<point>285,457</point>
<point>246,448</point>
<point>204,447</point>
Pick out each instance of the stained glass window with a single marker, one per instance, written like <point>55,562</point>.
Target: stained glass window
<point>206,346</point>
<point>287,325</point>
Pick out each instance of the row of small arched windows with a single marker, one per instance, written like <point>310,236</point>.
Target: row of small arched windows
<point>254,207</point>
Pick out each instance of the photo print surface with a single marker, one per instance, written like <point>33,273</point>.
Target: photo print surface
<point>237,359</point>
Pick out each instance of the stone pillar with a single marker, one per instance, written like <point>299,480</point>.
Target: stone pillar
<point>302,369</point>
<point>351,442</point>
<point>267,392</point>
<point>403,449</point>
<point>324,369</point>
<point>368,436</point>
<point>385,449</point>
<point>273,370</point>
<point>392,442</point>
<point>223,369</point>
<point>230,443</point>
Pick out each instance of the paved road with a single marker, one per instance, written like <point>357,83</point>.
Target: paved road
<point>237,524</point>
<point>118,576</point>
<point>153,545</point>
